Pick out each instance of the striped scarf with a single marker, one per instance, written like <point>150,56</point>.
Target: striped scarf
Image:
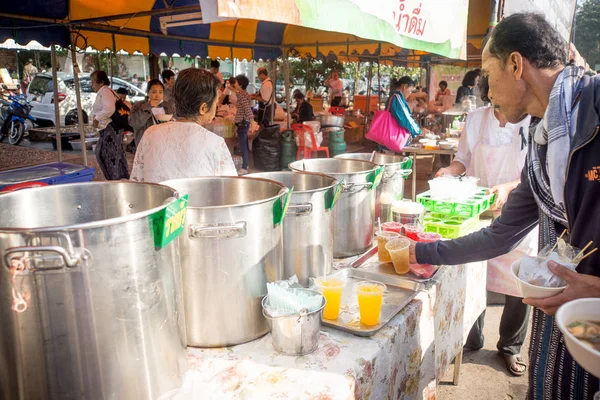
<point>547,166</point>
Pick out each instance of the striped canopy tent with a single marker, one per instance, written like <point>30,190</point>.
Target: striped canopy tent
<point>175,26</point>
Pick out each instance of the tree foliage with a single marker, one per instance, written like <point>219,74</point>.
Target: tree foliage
<point>587,31</point>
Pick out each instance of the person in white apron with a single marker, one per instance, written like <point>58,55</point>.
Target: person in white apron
<point>494,151</point>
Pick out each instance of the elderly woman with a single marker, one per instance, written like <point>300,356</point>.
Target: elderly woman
<point>143,114</point>
<point>185,149</point>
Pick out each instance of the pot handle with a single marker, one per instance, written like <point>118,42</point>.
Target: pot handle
<point>71,260</point>
<point>300,209</point>
<point>355,187</point>
<point>404,173</point>
<point>225,230</point>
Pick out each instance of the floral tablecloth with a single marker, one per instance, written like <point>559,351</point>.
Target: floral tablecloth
<point>404,360</point>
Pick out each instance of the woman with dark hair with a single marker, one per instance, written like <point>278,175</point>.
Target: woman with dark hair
<point>470,81</point>
<point>444,91</point>
<point>243,118</point>
<point>143,114</point>
<point>109,151</point>
<point>304,111</point>
<point>104,104</point>
<point>398,107</point>
<point>184,148</point>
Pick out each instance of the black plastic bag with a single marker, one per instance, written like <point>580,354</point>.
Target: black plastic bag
<point>266,149</point>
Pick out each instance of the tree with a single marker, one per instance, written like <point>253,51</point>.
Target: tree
<point>587,31</point>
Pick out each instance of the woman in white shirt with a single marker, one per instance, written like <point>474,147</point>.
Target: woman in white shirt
<point>336,86</point>
<point>494,150</point>
<point>109,151</point>
<point>185,149</point>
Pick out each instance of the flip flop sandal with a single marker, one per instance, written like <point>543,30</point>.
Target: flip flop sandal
<point>512,361</point>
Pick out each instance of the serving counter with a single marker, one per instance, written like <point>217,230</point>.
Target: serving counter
<point>405,359</point>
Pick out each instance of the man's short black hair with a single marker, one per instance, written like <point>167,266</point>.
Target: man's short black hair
<point>167,74</point>
<point>215,64</point>
<point>530,35</point>
<point>243,81</point>
<point>122,90</point>
<point>443,83</point>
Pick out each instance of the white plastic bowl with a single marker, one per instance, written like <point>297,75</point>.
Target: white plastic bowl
<point>529,290</point>
<point>446,145</point>
<point>578,310</point>
<point>164,117</point>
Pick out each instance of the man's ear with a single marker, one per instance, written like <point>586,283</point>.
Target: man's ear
<point>515,65</point>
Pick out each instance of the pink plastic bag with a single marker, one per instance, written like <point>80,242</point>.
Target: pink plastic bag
<point>386,131</point>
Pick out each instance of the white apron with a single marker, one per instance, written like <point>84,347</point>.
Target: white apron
<point>495,165</point>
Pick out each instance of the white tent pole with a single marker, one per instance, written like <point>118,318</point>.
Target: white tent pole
<point>78,97</point>
<point>56,102</point>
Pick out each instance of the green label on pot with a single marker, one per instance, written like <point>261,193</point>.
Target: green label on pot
<point>168,223</point>
<point>280,207</point>
<point>375,176</point>
<point>333,194</point>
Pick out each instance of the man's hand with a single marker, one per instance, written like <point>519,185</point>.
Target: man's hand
<point>578,286</point>
<point>502,192</point>
<point>442,172</point>
<point>413,252</point>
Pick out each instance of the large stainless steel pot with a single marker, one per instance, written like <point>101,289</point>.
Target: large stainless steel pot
<point>308,224</point>
<point>89,308</point>
<point>396,169</point>
<point>330,121</point>
<point>231,248</point>
<point>354,214</point>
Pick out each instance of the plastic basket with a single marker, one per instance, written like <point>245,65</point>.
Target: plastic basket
<point>450,227</point>
<point>468,208</point>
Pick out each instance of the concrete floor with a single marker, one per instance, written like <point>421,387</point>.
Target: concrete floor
<point>483,375</point>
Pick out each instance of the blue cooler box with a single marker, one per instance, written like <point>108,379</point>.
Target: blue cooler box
<point>51,173</point>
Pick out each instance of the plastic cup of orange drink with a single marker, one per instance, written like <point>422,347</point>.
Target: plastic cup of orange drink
<point>370,299</point>
<point>399,253</point>
<point>382,238</point>
<point>331,289</point>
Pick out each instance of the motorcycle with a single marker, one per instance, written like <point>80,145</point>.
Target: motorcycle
<point>16,116</point>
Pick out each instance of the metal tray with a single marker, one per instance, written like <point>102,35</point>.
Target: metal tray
<point>399,293</point>
<point>369,261</point>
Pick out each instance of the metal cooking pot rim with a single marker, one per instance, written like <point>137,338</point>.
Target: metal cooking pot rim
<point>252,203</point>
<point>333,174</point>
<point>358,159</point>
<point>335,180</point>
<point>94,224</point>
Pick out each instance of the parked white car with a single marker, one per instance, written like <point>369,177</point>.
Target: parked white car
<point>40,93</point>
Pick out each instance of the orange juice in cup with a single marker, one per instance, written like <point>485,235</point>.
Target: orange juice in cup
<point>332,291</point>
<point>382,239</point>
<point>370,299</point>
<point>399,253</point>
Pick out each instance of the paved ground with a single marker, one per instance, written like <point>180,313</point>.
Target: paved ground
<point>483,374</point>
